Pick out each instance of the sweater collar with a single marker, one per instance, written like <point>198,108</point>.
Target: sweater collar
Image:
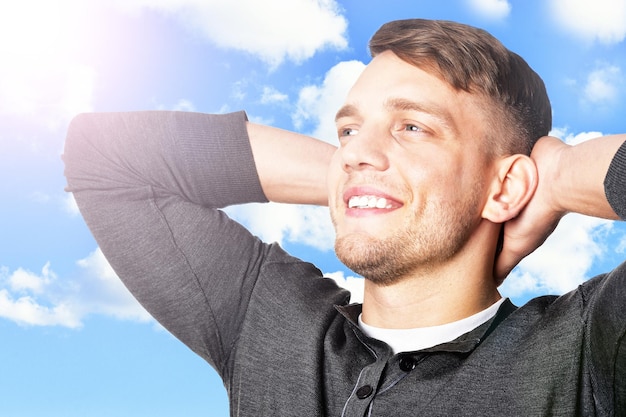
<point>463,344</point>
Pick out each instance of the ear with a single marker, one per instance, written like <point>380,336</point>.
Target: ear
<point>511,189</point>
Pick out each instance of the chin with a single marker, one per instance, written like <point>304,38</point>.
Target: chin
<point>374,259</point>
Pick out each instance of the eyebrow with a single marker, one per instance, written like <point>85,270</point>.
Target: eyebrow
<point>346,111</point>
<point>440,113</point>
<point>434,110</point>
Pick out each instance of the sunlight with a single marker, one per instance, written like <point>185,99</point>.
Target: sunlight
<point>33,27</point>
<point>40,76</point>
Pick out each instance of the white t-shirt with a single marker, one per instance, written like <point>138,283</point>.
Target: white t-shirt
<point>407,340</point>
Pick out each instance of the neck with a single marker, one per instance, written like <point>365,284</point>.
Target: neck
<point>454,290</point>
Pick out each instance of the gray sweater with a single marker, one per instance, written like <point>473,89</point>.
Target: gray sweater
<point>282,337</point>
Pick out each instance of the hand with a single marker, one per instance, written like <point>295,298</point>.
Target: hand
<point>526,232</point>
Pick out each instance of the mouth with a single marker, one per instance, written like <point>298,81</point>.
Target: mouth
<point>369,199</point>
<point>369,202</point>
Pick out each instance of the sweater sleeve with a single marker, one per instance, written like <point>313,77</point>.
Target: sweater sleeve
<point>615,182</point>
<point>148,185</point>
<point>605,298</point>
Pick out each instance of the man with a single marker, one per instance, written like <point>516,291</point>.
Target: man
<point>434,199</point>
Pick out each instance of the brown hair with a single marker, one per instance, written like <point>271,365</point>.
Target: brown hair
<point>472,60</point>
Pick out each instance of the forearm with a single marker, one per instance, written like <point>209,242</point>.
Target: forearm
<point>292,167</point>
<point>579,175</point>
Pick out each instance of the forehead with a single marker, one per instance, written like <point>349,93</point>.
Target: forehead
<point>400,104</point>
<point>389,84</point>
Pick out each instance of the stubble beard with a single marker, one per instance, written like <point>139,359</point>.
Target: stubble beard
<point>382,261</point>
<point>420,247</point>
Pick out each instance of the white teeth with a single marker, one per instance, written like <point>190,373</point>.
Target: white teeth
<point>368,201</point>
<point>382,203</point>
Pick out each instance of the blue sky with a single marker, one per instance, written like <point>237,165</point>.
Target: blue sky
<point>73,342</point>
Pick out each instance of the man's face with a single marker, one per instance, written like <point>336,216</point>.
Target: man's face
<point>408,182</point>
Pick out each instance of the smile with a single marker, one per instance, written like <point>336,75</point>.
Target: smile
<point>368,202</point>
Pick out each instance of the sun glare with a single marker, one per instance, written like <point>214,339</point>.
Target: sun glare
<point>38,75</point>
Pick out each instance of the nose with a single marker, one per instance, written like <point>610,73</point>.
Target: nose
<point>367,150</point>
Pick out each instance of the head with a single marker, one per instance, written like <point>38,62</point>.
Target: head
<point>472,60</point>
<point>433,135</point>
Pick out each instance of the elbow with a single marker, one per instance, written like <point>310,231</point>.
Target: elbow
<point>75,136</point>
<point>78,148</point>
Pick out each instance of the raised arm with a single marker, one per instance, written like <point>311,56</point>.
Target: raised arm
<point>149,184</point>
<point>589,178</point>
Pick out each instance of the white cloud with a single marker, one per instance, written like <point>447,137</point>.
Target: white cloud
<point>239,90</point>
<point>318,104</point>
<point>25,281</point>
<point>272,222</point>
<point>102,292</point>
<point>563,261</point>
<point>574,139</point>
<point>70,205</point>
<point>353,284</point>
<point>62,201</point>
<point>24,299</point>
<point>42,299</point>
<point>598,20</point>
<point>27,311</point>
<point>603,85</point>
<point>271,95</point>
<point>184,105</point>
<point>491,9</point>
<point>273,30</point>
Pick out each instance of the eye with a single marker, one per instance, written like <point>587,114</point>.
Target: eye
<point>348,131</point>
<point>410,131</point>
<point>412,128</point>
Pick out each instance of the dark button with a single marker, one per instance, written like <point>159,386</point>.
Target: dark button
<point>364,392</point>
<point>407,363</point>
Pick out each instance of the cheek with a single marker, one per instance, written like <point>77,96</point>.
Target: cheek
<point>440,181</point>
